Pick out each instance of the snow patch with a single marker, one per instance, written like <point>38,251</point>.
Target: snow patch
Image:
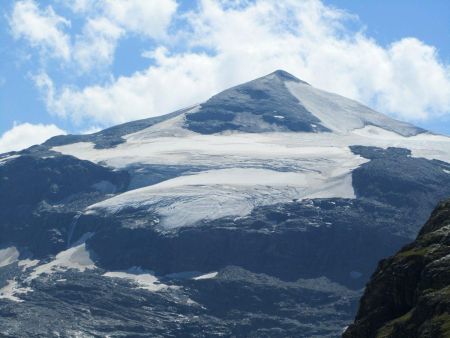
<point>206,276</point>
<point>8,256</point>
<point>76,257</point>
<point>12,289</point>
<point>3,160</point>
<point>28,263</point>
<point>144,279</point>
<point>169,128</point>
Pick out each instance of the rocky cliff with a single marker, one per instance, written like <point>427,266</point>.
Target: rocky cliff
<point>409,294</point>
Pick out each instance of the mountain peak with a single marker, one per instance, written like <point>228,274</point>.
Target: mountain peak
<point>280,102</point>
<point>261,105</point>
<point>284,75</point>
<point>276,102</point>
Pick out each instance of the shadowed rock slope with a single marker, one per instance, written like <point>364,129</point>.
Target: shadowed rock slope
<point>409,294</point>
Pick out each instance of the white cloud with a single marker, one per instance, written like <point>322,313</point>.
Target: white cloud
<point>144,94</point>
<point>420,84</point>
<point>96,46</point>
<point>24,135</point>
<point>150,18</point>
<point>250,39</point>
<point>110,20</point>
<point>106,21</point>
<point>79,6</point>
<point>41,28</point>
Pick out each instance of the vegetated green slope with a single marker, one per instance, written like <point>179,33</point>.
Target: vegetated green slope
<point>409,294</point>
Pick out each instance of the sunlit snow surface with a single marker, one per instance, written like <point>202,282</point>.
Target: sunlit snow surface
<point>144,280</point>
<point>8,256</point>
<point>233,172</point>
<point>76,257</point>
<point>343,115</point>
<point>206,276</point>
<point>5,159</point>
<point>12,290</point>
<point>213,194</point>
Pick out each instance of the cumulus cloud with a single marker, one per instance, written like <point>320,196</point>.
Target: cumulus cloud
<point>110,20</point>
<point>96,46</point>
<point>150,18</point>
<point>172,84</point>
<point>78,6</point>
<point>418,84</point>
<point>106,22</point>
<point>41,28</point>
<point>24,135</point>
<point>228,42</point>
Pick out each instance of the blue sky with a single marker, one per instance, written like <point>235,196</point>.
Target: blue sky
<point>76,66</point>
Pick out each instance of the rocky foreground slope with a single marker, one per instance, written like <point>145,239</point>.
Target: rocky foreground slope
<point>409,294</point>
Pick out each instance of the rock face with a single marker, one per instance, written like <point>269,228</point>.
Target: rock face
<point>257,106</point>
<point>261,212</point>
<point>409,294</point>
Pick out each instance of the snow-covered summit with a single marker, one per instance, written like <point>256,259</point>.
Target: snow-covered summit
<point>281,102</point>
<point>277,102</point>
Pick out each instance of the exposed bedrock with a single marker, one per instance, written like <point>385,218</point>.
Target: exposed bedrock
<point>409,293</point>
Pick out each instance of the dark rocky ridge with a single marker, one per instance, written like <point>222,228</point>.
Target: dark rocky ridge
<point>236,303</point>
<point>409,293</point>
<point>284,241</point>
<point>411,185</point>
<point>264,104</point>
<point>110,137</point>
<point>39,196</point>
